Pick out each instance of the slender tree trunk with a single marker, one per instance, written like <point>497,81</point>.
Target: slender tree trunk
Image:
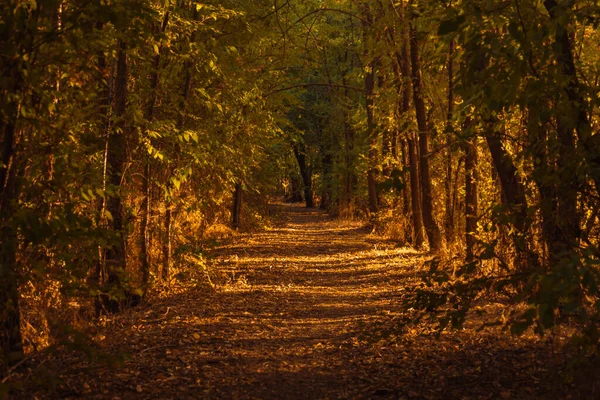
<point>449,217</point>
<point>116,160</point>
<point>167,222</point>
<point>11,349</point>
<point>10,318</point>
<point>471,197</point>
<point>350,178</point>
<point>147,183</point>
<point>415,191</point>
<point>405,195</point>
<point>105,95</point>
<point>236,207</point>
<point>369,106</point>
<point>326,195</point>
<point>433,231</point>
<point>387,147</point>
<point>404,77</point>
<point>16,44</point>
<point>144,243</point>
<point>166,270</point>
<point>305,172</point>
<point>372,137</point>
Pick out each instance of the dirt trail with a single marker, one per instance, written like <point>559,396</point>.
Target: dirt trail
<point>296,313</point>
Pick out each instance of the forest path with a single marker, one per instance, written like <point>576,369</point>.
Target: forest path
<point>288,317</point>
<point>298,312</point>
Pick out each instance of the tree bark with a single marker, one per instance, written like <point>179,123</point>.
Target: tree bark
<point>389,151</point>
<point>576,116</point>
<point>326,195</point>
<point>351,180</point>
<point>403,78</point>
<point>166,269</point>
<point>372,137</point>
<point>369,81</point>
<point>449,217</point>
<point>236,208</point>
<point>295,195</point>
<point>575,119</point>
<point>305,172</point>
<point>513,189</point>
<point>145,208</point>
<point>167,222</point>
<point>116,160</point>
<point>405,195</point>
<point>415,192</point>
<point>147,183</point>
<point>105,96</point>
<point>471,197</point>
<point>558,194</point>
<point>11,349</point>
<point>433,231</point>
<point>513,195</point>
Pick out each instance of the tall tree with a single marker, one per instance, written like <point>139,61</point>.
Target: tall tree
<point>372,134</point>
<point>18,27</point>
<point>431,227</point>
<point>116,161</point>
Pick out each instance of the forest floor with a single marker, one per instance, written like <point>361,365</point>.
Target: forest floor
<point>304,310</point>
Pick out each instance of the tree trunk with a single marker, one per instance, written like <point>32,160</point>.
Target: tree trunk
<point>305,172</point>
<point>404,77</point>
<point>388,150</point>
<point>236,207</point>
<point>295,195</point>
<point>449,217</point>
<point>568,215</point>
<point>350,178</point>
<point>116,160</point>
<point>16,41</point>
<point>405,195</point>
<point>369,107</point>
<point>147,183</point>
<point>166,269</point>
<point>576,116</point>
<point>168,223</point>
<point>11,349</point>
<point>415,192</point>
<point>105,96</point>
<point>433,231</point>
<point>558,191</point>
<point>575,119</point>
<point>372,137</point>
<point>145,208</point>
<point>471,195</point>
<point>10,317</point>
<point>326,195</point>
<point>513,195</point>
<point>513,189</point>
